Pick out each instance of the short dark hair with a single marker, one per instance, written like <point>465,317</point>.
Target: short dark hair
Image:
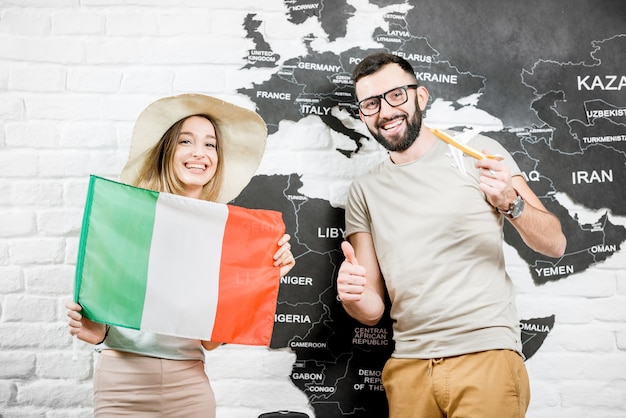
<point>374,62</point>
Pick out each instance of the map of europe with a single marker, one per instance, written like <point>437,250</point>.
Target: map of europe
<point>562,117</point>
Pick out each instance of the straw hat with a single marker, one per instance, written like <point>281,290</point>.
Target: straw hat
<point>241,134</point>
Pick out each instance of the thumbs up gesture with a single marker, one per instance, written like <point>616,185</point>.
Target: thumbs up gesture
<point>351,278</point>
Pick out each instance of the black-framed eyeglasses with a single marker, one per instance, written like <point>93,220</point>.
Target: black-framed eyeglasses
<point>394,97</point>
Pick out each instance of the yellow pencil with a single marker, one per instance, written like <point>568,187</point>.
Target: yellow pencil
<point>465,148</point>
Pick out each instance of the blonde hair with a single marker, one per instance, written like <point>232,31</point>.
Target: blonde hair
<point>157,172</point>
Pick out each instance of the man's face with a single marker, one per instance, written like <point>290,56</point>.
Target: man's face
<point>395,128</point>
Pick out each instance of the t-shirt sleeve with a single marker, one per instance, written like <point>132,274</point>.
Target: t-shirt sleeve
<point>357,215</point>
<point>483,143</point>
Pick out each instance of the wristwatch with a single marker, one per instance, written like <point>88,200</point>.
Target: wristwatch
<point>515,210</point>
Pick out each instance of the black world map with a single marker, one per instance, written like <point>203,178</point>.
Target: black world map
<point>559,94</point>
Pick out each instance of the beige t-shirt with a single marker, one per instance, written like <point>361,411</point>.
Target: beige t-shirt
<point>439,247</point>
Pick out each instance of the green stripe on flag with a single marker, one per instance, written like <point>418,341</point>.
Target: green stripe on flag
<point>115,240</point>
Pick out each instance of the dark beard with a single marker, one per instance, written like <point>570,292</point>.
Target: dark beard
<point>413,130</point>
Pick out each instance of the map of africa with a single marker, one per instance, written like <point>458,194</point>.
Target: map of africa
<point>561,112</point>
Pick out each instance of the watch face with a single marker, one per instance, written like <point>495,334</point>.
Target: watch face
<point>515,210</point>
<point>517,207</point>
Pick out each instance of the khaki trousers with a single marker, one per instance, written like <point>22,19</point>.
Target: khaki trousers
<point>490,384</point>
<point>138,386</point>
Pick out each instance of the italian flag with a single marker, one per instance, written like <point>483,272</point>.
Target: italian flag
<point>173,265</point>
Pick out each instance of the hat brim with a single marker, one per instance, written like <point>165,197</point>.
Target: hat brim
<point>242,135</point>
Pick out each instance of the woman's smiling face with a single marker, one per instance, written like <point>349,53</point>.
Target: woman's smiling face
<point>195,156</point>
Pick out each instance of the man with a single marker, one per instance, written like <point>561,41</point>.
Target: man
<point>430,234</point>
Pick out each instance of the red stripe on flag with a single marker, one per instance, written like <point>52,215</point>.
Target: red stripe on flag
<point>248,286</point>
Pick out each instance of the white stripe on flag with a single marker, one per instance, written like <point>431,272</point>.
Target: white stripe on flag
<point>190,285</point>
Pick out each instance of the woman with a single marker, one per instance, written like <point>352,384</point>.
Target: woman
<point>199,147</point>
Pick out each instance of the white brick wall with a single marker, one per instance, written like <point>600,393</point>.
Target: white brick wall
<point>74,75</point>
